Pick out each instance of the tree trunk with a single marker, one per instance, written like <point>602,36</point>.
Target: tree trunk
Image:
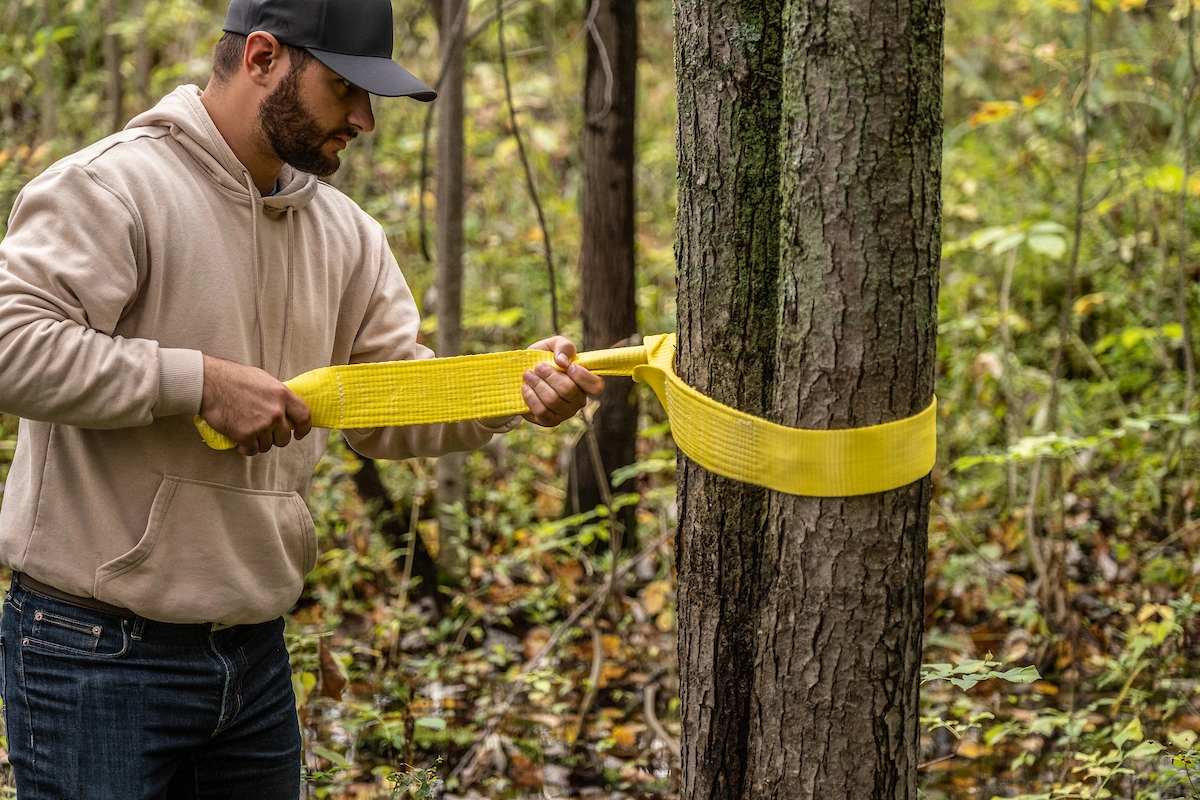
<point>812,607</point>
<point>395,528</point>
<point>112,65</point>
<point>606,260</point>
<point>451,488</point>
<point>141,57</point>
<point>46,75</point>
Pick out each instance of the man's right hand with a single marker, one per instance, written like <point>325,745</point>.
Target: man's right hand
<point>251,407</point>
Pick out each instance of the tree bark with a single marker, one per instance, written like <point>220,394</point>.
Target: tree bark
<point>606,260</point>
<point>819,601</point>
<point>727,249</point>
<point>451,488</point>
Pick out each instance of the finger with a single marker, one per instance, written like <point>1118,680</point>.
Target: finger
<point>544,344</point>
<point>281,435</point>
<point>249,448</point>
<point>537,409</point>
<point>549,395</point>
<point>265,441</point>
<point>564,351</point>
<point>589,383</point>
<point>566,386</point>
<point>299,414</point>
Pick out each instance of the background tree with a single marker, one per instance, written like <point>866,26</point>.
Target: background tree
<point>606,259</point>
<point>451,489</point>
<point>826,594</point>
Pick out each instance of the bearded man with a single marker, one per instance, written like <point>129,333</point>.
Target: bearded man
<point>188,265</point>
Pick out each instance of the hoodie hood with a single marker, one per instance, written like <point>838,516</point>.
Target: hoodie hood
<point>182,113</point>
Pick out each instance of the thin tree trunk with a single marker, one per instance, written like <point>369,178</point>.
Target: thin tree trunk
<point>112,65</point>
<point>46,76</point>
<point>727,248</point>
<point>801,618</point>
<point>606,260</point>
<point>451,488</point>
<point>141,57</point>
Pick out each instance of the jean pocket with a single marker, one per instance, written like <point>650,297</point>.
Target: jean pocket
<point>65,631</point>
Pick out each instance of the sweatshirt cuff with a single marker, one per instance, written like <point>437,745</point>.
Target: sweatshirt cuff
<point>499,424</point>
<point>180,382</point>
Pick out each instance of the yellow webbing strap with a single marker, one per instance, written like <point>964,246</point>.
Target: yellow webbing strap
<point>815,463</point>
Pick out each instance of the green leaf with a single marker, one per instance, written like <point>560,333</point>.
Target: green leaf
<point>1131,732</point>
<point>1048,244</point>
<point>1020,675</point>
<point>337,759</point>
<point>1183,739</point>
<point>433,723</point>
<point>1146,750</point>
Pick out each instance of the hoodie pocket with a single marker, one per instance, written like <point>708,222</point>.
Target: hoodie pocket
<point>214,553</point>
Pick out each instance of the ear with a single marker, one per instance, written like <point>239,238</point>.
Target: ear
<point>265,58</point>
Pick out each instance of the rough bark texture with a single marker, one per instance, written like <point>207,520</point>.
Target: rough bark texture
<point>728,69</point>
<point>451,488</point>
<point>818,601</point>
<point>606,259</point>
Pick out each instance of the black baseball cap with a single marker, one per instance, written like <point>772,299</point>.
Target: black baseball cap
<point>351,37</point>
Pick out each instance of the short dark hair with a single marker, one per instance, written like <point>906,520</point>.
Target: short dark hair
<point>227,56</point>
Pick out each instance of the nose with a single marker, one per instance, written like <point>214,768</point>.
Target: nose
<point>361,117</point>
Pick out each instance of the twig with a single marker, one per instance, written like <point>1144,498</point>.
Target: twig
<point>650,690</point>
<point>602,51</point>
<point>518,684</point>
<point>487,21</point>
<point>1181,294</point>
<point>593,679</point>
<point>1081,146</point>
<point>1051,591</point>
<point>533,195</point>
<point>936,761</point>
<point>422,217</point>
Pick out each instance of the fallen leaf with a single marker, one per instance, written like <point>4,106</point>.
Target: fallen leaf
<point>654,596</point>
<point>333,674</point>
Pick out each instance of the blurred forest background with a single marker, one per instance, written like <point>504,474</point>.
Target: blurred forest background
<point>1062,639</point>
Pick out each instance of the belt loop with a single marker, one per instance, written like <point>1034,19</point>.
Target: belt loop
<point>139,626</point>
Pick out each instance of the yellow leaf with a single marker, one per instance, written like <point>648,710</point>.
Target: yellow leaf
<point>1034,97</point>
<point>969,749</point>
<point>611,645</point>
<point>654,596</point>
<point>623,736</point>
<point>665,621</point>
<point>991,111</point>
<point>1089,301</point>
<point>1132,5</point>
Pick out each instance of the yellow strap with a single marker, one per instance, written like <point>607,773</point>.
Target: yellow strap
<point>721,439</point>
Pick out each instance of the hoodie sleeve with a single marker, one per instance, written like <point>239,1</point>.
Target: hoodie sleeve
<point>389,333</point>
<point>68,271</point>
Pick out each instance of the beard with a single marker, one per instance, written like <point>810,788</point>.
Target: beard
<point>288,128</point>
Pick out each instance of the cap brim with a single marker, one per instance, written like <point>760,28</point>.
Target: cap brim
<point>380,76</point>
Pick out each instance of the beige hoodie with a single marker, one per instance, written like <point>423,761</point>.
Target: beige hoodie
<point>124,263</point>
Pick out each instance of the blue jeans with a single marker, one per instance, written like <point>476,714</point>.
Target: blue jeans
<point>99,706</point>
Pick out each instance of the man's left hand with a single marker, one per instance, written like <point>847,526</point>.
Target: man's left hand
<point>553,395</point>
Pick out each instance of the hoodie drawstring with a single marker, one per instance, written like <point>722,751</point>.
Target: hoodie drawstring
<point>258,312</point>
<point>285,346</point>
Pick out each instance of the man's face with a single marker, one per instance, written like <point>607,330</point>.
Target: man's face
<point>311,115</point>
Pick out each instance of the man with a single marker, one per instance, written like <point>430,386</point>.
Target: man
<point>187,265</point>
